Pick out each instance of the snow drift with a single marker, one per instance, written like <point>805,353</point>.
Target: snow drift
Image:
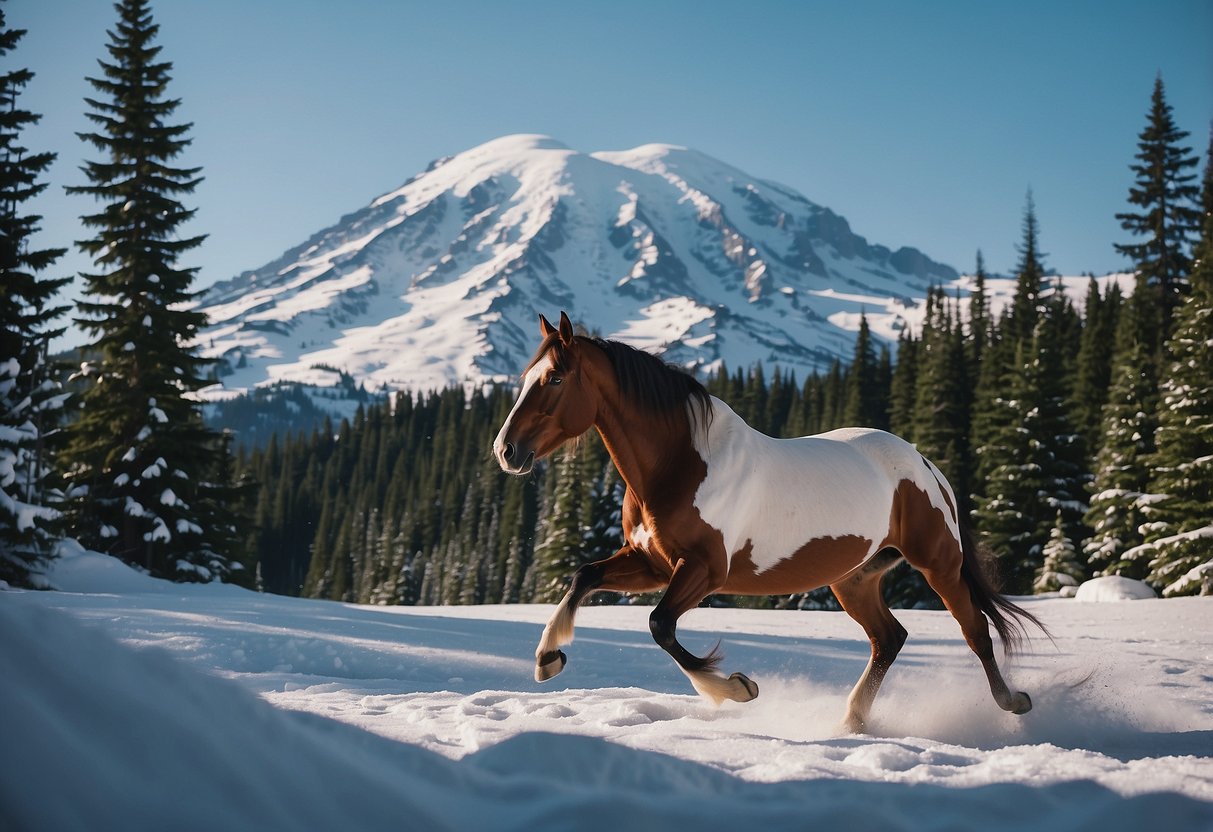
<point>134,703</point>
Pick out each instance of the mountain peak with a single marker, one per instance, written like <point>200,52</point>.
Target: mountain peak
<point>516,143</point>
<point>438,282</point>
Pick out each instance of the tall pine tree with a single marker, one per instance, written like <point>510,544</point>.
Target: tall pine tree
<point>140,462</point>
<point>29,396</point>
<point>863,406</point>
<point>1094,362</point>
<point>941,408</point>
<point>1031,455</point>
<point>1179,546</point>
<point>1164,193</point>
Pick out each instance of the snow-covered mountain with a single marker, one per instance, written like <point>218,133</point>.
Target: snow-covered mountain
<point>440,280</point>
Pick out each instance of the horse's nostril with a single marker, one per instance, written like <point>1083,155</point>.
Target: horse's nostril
<point>507,453</point>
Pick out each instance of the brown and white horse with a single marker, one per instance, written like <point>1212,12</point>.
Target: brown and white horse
<point>712,505</point>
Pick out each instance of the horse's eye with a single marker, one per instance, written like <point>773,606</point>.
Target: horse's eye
<point>555,379</point>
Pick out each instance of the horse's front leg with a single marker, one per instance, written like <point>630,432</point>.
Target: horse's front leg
<point>690,584</point>
<point>628,570</point>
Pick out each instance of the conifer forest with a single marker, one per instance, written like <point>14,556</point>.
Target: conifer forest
<point>1079,439</point>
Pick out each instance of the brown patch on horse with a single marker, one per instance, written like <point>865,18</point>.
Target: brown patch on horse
<point>821,561</point>
<point>914,523</point>
<point>918,529</point>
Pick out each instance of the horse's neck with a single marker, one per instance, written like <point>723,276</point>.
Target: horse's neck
<point>645,450</point>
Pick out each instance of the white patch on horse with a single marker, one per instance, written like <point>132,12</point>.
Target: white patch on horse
<point>776,495</point>
<point>528,381</point>
<point>641,537</point>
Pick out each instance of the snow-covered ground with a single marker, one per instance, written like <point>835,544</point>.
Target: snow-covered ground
<point>129,703</point>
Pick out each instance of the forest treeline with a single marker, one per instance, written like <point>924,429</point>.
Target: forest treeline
<point>1022,411</point>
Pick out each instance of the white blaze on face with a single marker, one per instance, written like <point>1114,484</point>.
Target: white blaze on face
<point>528,382</point>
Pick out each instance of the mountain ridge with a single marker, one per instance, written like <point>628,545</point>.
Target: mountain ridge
<point>438,281</point>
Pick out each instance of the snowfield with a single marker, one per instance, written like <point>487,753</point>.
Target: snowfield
<point>130,703</point>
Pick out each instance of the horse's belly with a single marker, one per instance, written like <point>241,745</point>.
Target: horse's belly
<point>819,562</point>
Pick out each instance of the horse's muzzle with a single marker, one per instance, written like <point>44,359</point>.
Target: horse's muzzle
<point>513,461</point>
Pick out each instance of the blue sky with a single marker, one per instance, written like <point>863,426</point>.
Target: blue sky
<point>922,123</point>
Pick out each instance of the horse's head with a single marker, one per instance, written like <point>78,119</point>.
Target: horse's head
<point>556,403</point>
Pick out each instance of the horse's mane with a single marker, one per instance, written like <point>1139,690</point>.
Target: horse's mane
<point>654,385</point>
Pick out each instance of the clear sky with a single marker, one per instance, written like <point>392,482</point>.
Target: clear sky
<point>923,123</point>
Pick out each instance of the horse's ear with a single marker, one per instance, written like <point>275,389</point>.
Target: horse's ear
<point>566,329</point>
<point>545,327</point>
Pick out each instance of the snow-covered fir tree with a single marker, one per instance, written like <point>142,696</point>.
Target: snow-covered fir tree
<point>1062,566</point>
<point>30,397</point>
<point>140,464</point>
<point>1179,509</point>
<point>562,530</point>
<point>1032,452</point>
<point>1129,419</point>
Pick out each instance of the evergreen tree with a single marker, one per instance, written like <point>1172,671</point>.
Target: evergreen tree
<point>1029,281</point>
<point>903,387</point>
<point>29,397</point>
<point>1034,456</point>
<point>1010,497</point>
<point>140,462</point>
<point>1061,565</point>
<point>994,416</point>
<point>1164,192</point>
<point>1179,544</point>
<point>941,409</point>
<point>833,398</point>
<point>979,319</point>
<point>863,406</point>
<point>884,387</point>
<point>1128,421</point>
<point>1094,362</point>
<point>561,551</point>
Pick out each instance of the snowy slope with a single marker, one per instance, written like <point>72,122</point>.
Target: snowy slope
<point>440,280</point>
<point>135,704</point>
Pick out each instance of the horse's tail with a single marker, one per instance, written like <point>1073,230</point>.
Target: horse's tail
<point>1008,618</point>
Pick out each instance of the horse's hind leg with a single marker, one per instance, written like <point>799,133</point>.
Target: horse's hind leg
<point>626,571</point>
<point>689,585</point>
<point>860,596</point>
<point>946,579</point>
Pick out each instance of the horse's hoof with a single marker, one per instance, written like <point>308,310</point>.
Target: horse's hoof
<point>751,689</point>
<point>1021,703</point>
<point>549,664</point>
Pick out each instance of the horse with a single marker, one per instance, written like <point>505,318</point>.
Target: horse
<point>714,506</point>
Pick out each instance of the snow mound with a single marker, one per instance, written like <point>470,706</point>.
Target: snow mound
<point>1114,588</point>
<point>79,570</point>
<point>76,569</point>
